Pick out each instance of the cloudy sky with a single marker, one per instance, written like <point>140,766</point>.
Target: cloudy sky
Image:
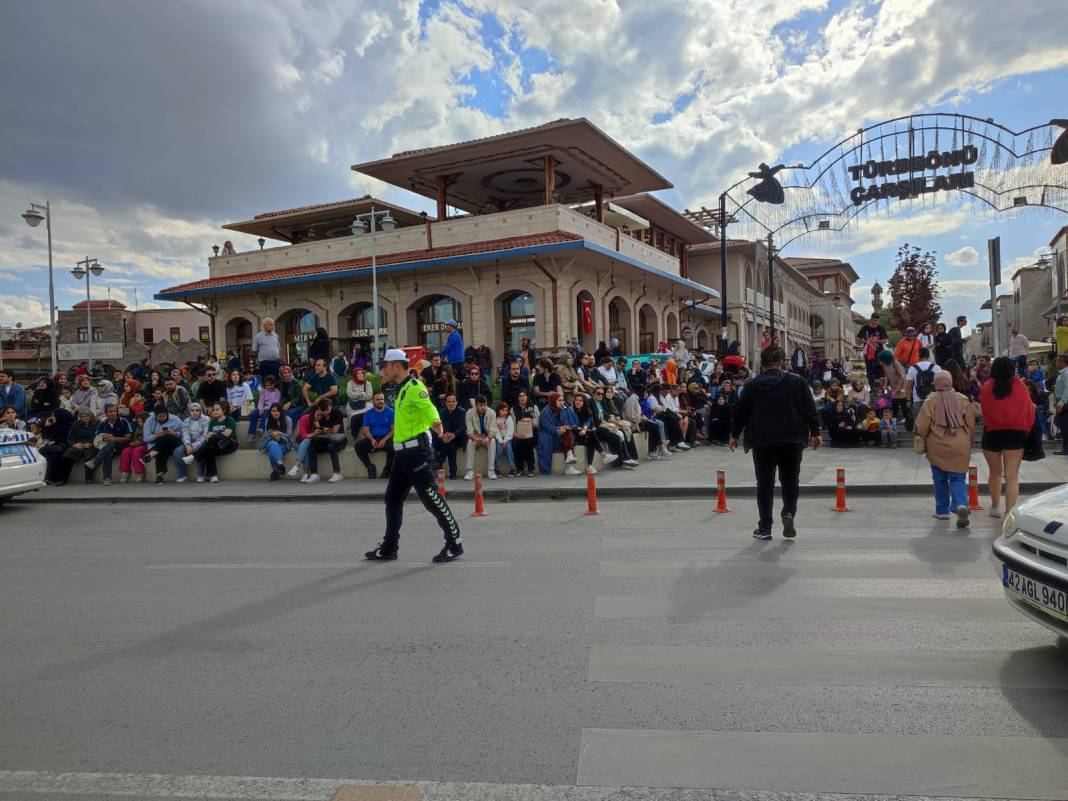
<point>150,124</point>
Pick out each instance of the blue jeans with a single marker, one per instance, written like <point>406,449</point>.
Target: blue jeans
<point>948,484</point>
<point>254,421</point>
<point>276,451</point>
<point>294,414</point>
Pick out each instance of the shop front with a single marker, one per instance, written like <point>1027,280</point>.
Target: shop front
<point>298,330</point>
<point>358,327</point>
<point>431,316</point>
<point>518,319</point>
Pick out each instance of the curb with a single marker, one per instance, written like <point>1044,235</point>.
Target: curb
<point>537,494</point>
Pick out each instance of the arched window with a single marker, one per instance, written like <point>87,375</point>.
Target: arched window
<point>298,328</point>
<point>518,317</point>
<point>360,322</point>
<point>815,323</point>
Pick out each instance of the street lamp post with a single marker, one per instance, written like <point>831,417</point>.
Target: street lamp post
<point>33,216</point>
<point>372,221</point>
<point>84,268</point>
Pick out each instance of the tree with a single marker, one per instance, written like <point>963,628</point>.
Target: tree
<point>914,290</point>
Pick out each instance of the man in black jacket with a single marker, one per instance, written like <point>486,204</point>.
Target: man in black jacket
<point>779,418</point>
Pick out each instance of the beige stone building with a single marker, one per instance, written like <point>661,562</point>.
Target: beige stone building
<point>542,242</point>
<point>548,233</point>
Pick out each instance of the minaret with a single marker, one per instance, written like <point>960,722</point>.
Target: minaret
<point>877,297</point>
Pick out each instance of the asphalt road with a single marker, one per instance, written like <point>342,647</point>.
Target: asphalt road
<point>656,645</point>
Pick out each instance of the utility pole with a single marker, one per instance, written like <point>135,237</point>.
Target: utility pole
<point>723,271</point>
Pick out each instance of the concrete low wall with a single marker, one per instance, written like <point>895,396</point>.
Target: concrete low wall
<point>249,464</point>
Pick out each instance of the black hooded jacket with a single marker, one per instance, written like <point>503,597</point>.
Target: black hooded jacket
<point>775,410</point>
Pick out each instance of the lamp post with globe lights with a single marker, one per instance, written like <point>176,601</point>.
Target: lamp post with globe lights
<point>372,221</point>
<point>82,270</point>
<point>33,217</point>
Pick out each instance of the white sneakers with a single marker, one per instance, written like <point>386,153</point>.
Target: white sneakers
<point>609,458</point>
<point>181,479</point>
<point>570,458</point>
<point>200,479</point>
<point>572,471</point>
<point>214,479</point>
<point>310,478</point>
<point>664,453</point>
<point>492,475</point>
<point>469,475</point>
<point>630,462</point>
<point>294,471</point>
<point>336,477</point>
<point>682,446</point>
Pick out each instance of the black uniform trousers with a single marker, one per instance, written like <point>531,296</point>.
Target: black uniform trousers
<point>412,468</point>
<point>787,459</point>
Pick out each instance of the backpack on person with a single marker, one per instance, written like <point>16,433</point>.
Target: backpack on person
<point>925,382</point>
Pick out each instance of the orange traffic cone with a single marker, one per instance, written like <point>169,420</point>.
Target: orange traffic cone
<point>480,507</point>
<point>591,493</point>
<point>973,488</point>
<point>721,491</point>
<point>840,495</point>
<point>441,482</point>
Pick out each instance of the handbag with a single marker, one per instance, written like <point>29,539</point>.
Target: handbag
<point>919,444</point>
<point>247,407</point>
<point>1033,450</point>
<point>524,429</point>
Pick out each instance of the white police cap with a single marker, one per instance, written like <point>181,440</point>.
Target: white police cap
<point>395,355</point>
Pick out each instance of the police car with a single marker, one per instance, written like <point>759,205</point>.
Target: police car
<point>1033,558</point>
<point>22,468</point>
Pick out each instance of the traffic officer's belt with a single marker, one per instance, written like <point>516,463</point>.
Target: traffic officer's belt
<point>422,441</point>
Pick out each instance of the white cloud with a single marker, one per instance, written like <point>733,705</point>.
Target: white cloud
<point>969,288</point>
<point>286,76</point>
<point>26,309</point>
<point>966,256</point>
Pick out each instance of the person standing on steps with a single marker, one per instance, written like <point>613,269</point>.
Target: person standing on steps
<point>414,416</point>
<point>778,418</point>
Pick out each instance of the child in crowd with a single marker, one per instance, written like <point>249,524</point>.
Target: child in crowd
<point>888,429</point>
<point>130,456</point>
<point>869,428</point>
<point>503,432</point>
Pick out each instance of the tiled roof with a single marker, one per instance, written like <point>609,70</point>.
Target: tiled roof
<point>268,214</point>
<point>504,135</point>
<point>99,304</point>
<point>490,246</point>
<point>715,245</point>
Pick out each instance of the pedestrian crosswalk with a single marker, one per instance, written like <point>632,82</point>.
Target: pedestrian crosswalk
<point>867,659</point>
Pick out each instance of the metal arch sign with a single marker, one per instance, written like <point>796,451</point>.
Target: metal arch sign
<point>914,186</point>
<point>926,158</point>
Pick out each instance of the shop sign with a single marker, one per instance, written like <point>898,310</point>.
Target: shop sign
<point>529,320</point>
<point>80,352</point>
<point>302,337</point>
<point>914,186</point>
<point>687,333</point>
<point>368,333</point>
<point>434,328</point>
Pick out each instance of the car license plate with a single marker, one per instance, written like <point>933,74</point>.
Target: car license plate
<point>1048,599</point>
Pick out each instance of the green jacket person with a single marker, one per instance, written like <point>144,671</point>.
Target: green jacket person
<point>414,416</point>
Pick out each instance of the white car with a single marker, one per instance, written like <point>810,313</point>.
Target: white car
<point>22,468</point>
<point>1033,556</point>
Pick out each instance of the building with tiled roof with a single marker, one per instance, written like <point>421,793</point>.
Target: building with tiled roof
<point>548,233</point>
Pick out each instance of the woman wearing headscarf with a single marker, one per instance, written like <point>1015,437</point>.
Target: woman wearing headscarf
<point>55,428</point>
<point>319,347</point>
<point>45,399</point>
<point>105,394</point>
<point>83,395</point>
<point>946,424</point>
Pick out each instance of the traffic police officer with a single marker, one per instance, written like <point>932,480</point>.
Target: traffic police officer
<point>414,416</point>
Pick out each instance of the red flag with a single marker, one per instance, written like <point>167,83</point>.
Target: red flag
<point>587,316</point>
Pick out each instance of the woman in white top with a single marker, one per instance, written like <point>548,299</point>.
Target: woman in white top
<point>359,392</point>
<point>238,393</point>
<point>927,337</point>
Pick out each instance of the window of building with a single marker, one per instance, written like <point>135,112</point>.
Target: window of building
<point>828,284</point>
<point>98,334</point>
<point>815,323</point>
<point>176,334</point>
<point>149,336</point>
<point>299,327</point>
<point>360,322</point>
<point>431,317</point>
<point>518,320</point>
<point>204,334</point>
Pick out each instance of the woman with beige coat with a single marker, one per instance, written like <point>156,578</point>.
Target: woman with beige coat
<point>946,425</point>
